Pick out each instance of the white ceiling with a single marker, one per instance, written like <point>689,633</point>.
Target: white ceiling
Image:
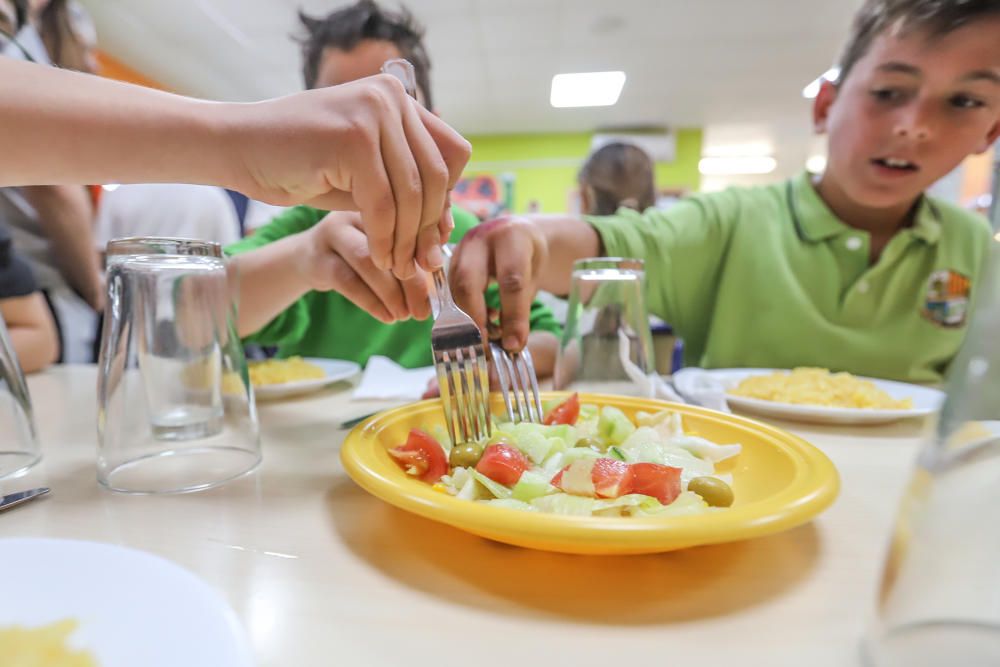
<point>733,67</point>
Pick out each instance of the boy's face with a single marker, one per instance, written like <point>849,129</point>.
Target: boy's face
<point>910,111</point>
<point>366,59</point>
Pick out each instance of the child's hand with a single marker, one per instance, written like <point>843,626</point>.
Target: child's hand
<point>511,251</point>
<point>335,256</point>
<point>362,146</point>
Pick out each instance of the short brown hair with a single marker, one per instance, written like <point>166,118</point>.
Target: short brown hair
<point>67,31</point>
<point>937,17</point>
<point>344,28</point>
<point>620,174</point>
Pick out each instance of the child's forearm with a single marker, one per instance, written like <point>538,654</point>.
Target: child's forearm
<point>568,240</point>
<point>66,218</point>
<point>269,282</point>
<point>61,127</point>
<point>32,331</point>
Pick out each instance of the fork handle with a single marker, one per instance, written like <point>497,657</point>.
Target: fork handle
<point>442,289</point>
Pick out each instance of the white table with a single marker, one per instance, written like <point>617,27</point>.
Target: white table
<point>321,573</point>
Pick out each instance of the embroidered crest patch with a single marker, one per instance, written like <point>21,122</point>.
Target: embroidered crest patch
<point>947,298</point>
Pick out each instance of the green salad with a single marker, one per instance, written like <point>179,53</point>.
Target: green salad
<point>584,460</point>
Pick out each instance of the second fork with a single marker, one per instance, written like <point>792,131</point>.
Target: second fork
<point>518,384</point>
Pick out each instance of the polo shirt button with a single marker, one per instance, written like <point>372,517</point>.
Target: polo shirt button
<point>854,243</point>
<point>863,287</point>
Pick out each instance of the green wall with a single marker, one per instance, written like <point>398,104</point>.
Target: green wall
<point>545,165</point>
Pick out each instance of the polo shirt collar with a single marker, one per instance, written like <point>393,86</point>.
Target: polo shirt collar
<point>815,222</point>
<point>927,223</point>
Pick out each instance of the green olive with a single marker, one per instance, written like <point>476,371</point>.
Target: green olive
<point>465,456</point>
<point>500,439</point>
<point>592,443</point>
<point>715,492</point>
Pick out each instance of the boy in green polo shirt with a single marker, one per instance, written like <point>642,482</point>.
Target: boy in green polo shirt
<point>307,282</point>
<point>857,270</point>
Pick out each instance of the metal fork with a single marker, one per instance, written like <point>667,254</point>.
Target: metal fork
<point>518,384</point>
<point>460,362</point>
<point>457,343</point>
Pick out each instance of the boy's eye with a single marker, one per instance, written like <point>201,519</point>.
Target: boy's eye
<point>965,102</point>
<point>887,94</point>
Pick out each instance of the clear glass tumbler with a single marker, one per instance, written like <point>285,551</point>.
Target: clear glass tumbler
<point>939,602</point>
<point>18,443</point>
<point>176,410</point>
<point>607,346</point>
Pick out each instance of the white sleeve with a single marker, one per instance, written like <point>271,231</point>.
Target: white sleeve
<point>259,214</point>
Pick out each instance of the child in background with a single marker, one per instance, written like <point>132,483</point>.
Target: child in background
<point>856,270</point>
<point>307,284</point>
<point>620,175</point>
<point>614,176</point>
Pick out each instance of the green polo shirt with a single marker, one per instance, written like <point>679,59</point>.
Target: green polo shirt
<point>769,277</point>
<point>327,324</point>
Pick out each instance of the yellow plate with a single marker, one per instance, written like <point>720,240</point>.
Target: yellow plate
<point>779,480</point>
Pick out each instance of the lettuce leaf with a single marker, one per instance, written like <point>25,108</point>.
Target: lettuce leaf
<point>496,488</point>
<point>563,503</point>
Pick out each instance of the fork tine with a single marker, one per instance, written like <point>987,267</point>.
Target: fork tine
<point>529,380</point>
<point>518,389</point>
<point>484,380</point>
<point>459,369</point>
<point>517,396</point>
<point>461,402</point>
<point>499,361</point>
<point>481,397</point>
<point>524,401</point>
<point>450,398</point>
<point>469,398</point>
<point>447,395</point>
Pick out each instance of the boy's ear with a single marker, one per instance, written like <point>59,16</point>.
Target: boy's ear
<point>586,199</point>
<point>991,138</point>
<point>821,106</point>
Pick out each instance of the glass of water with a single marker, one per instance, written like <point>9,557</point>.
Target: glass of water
<point>939,602</point>
<point>176,410</point>
<point>607,346</point>
<point>18,444</point>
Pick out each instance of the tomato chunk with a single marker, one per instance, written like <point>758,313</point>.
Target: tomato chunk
<point>656,480</point>
<point>421,456</point>
<point>503,464</point>
<point>611,478</point>
<point>566,412</point>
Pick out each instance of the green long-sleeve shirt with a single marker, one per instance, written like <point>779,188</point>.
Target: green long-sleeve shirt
<point>327,324</point>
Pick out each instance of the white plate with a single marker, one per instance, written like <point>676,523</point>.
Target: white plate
<point>926,401</point>
<point>335,369</point>
<point>132,608</point>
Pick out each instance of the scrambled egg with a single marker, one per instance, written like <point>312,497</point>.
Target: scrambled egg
<point>279,371</point>
<point>818,386</point>
<point>41,647</point>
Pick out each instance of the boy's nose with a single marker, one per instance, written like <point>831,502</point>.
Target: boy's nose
<point>913,124</point>
<point>919,132</point>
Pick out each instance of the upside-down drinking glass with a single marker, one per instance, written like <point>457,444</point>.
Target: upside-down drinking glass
<point>607,346</point>
<point>18,444</point>
<point>176,410</point>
